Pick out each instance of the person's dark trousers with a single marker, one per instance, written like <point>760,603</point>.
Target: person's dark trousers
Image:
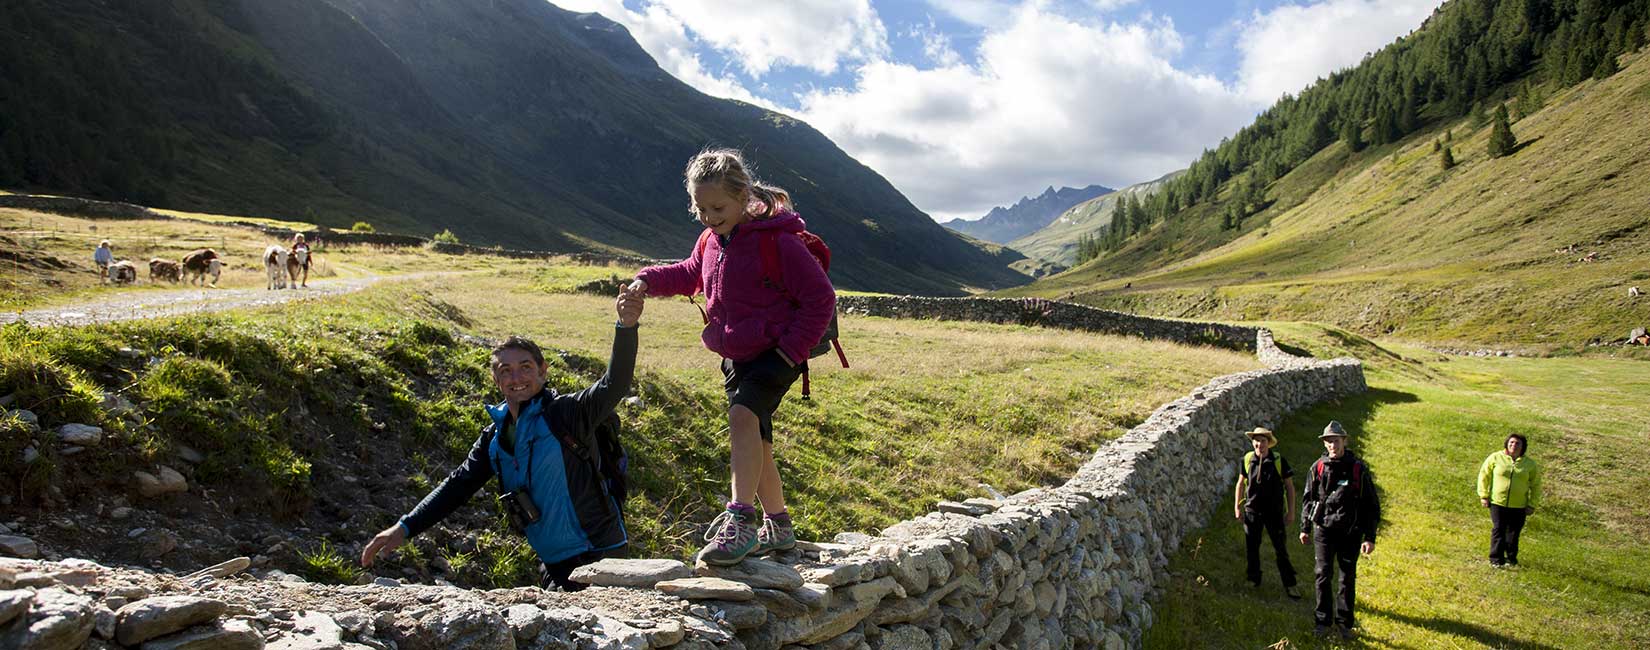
<point>1506,524</point>
<point>1337,551</point>
<point>1272,524</point>
<point>556,575</point>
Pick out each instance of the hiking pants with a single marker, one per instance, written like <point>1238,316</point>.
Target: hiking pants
<point>556,576</point>
<point>1505,526</point>
<point>1254,523</point>
<point>1336,550</point>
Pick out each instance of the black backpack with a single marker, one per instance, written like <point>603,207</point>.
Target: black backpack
<point>611,462</point>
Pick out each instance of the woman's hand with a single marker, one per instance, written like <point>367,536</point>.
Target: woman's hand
<point>388,540</point>
<point>1486,502</point>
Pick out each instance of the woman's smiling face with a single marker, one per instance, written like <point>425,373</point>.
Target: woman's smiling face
<point>718,210</point>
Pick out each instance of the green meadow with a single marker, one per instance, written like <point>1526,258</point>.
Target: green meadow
<point>1424,427</point>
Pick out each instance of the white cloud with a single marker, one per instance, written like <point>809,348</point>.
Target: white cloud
<point>980,13</point>
<point>1291,46</point>
<point>936,45</point>
<point>816,34</point>
<point>665,38</point>
<point>1051,100</point>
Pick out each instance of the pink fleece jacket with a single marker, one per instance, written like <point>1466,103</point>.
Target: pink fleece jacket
<point>748,317</point>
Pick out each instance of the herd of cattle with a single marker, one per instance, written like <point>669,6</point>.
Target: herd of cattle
<point>284,269</point>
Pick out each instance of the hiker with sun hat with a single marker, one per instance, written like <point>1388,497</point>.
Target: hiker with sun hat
<point>1264,501</point>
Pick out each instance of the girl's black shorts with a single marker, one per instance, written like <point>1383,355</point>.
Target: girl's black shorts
<point>759,385</point>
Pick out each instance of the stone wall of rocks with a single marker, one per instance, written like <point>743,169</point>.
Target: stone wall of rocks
<point>1072,566</point>
<point>1051,313</point>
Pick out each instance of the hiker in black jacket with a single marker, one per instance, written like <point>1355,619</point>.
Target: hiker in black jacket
<point>1264,500</point>
<point>545,450</point>
<point>1341,507</point>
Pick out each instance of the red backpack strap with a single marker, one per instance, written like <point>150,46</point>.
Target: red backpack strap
<point>768,250</point>
<point>699,254</point>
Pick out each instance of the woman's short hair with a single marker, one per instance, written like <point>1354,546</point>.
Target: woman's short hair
<point>1523,443</point>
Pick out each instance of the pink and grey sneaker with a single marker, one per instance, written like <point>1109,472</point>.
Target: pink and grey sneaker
<point>776,534</point>
<point>731,536</point>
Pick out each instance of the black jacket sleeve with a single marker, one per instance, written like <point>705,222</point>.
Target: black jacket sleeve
<point>456,489</point>
<point>1370,505</point>
<point>595,402</point>
<point>1309,495</point>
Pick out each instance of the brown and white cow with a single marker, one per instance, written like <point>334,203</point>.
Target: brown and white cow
<point>275,267</point>
<point>198,263</point>
<point>298,263</point>
<point>123,272</point>
<point>165,270</point>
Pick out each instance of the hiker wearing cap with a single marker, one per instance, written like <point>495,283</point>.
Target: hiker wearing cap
<point>1509,483</point>
<point>1263,501</point>
<point>103,257</point>
<point>1339,513</point>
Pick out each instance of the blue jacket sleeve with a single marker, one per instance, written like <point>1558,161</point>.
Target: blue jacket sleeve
<point>455,490</point>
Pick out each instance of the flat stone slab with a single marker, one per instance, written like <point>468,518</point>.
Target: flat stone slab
<point>162,615</point>
<point>630,573</point>
<point>759,574</point>
<point>16,546</point>
<point>707,588</point>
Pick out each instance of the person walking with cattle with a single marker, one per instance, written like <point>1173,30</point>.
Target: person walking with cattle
<point>768,304</point>
<point>560,470</point>
<point>1340,512</point>
<point>1509,484</point>
<point>1264,501</point>
<point>103,257</point>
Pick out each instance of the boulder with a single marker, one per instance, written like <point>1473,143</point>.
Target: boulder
<point>162,615</point>
<point>167,481</point>
<point>703,588</point>
<point>83,435</point>
<point>16,546</point>
<point>630,573</point>
<point>58,620</point>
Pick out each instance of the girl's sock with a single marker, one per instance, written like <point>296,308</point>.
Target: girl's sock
<point>782,517</point>
<point>745,510</point>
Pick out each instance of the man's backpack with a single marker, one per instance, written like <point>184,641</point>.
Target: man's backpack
<point>1249,464</point>
<point>1357,476</point>
<point>611,462</point>
<point>773,275</point>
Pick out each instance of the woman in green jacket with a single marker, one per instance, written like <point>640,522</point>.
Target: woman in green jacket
<point>1509,484</point>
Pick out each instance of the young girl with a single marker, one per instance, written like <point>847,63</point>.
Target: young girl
<point>763,328</point>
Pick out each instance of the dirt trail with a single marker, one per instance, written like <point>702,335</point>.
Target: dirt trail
<point>156,304</point>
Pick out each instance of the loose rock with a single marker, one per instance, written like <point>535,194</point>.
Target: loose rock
<point>17,546</point>
<point>153,617</point>
<point>84,435</point>
<point>630,573</point>
<point>703,588</point>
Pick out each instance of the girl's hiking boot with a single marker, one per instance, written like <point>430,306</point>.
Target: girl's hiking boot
<point>731,537</point>
<point>776,534</point>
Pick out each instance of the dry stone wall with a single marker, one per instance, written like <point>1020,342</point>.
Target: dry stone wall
<point>1051,313</point>
<point>1072,566</point>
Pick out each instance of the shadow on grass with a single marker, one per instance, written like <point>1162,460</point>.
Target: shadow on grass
<point>1488,637</point>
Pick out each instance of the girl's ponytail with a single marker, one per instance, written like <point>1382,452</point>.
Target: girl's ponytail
<point>773,198</point>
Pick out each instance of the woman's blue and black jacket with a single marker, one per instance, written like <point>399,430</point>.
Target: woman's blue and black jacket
<point>555,438</point>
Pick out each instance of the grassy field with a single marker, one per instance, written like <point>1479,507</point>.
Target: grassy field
<point>28,240</point>
<point>1424,427</point>
<point>1386,242</point>
<point>929,411</point>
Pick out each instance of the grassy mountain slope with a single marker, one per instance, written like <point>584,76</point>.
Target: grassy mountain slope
<point>509,122</point>
<point>1056,243</point>
<point>1386,241</point>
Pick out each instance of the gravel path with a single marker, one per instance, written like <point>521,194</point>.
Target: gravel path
<point>156,304</point>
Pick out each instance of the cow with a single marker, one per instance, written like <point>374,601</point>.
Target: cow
<point>275,267</point>
<point>1633,292</point>
<point>197,264</point>
<point>165,270</point>
<point>122,272</point>
<point>298,263</point>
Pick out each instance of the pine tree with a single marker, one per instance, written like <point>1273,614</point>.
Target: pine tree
<point>1446,160</point>
<point>1502,141</point>
<point>1353,133</point>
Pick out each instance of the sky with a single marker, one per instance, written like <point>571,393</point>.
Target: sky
<point>968,104</point>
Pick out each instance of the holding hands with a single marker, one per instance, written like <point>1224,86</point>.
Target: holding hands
<point>630,302</point>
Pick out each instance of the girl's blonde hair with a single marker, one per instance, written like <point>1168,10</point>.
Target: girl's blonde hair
<point>727,168</point>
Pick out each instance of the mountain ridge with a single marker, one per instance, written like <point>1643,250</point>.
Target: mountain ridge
<point>1005,224</point>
